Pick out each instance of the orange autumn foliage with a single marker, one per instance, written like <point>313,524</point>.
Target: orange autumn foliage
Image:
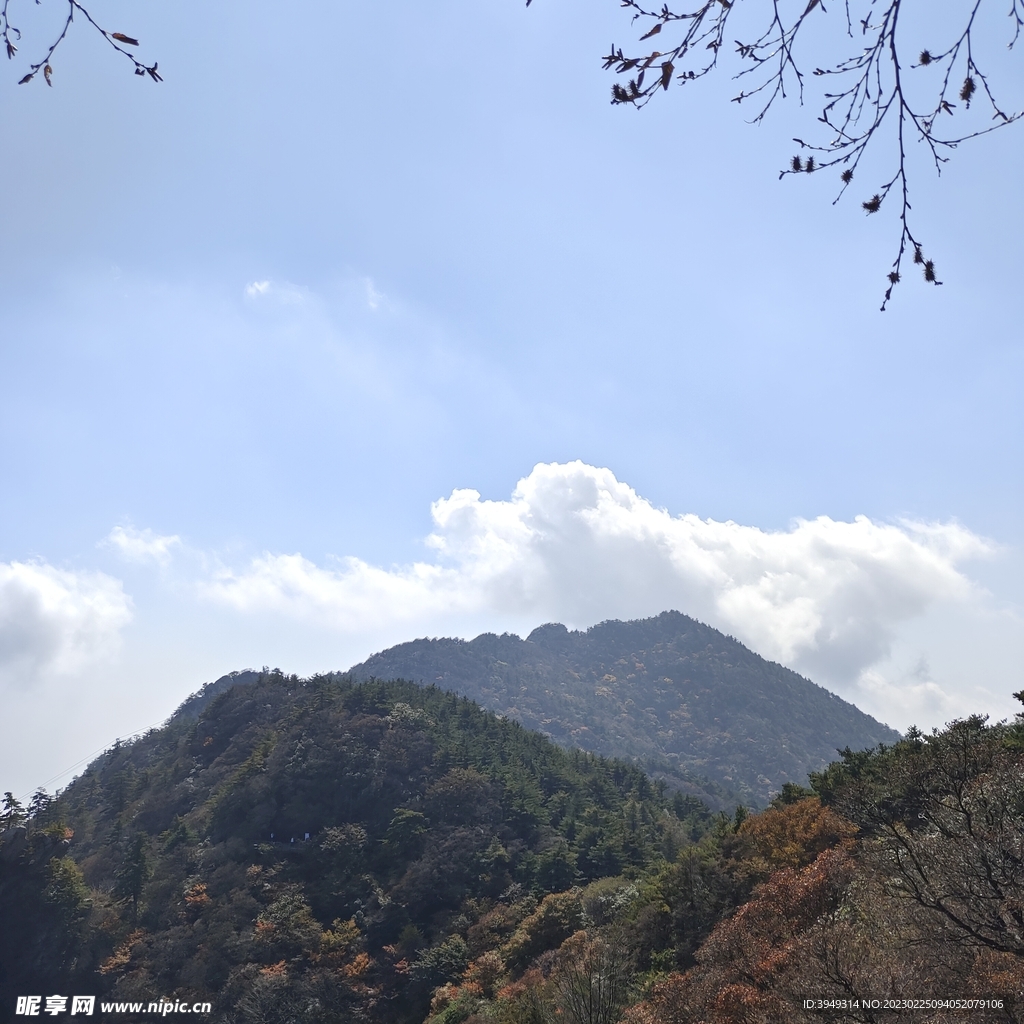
<point>790,836</point>
<point>360,964</point>
<point>121,957</point>
<point>748,971</point>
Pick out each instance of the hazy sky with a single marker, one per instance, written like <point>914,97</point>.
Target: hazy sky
<point>379,321</point>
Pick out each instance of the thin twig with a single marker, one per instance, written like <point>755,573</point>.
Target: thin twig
<point>10,34</point>
<point>870,104</point>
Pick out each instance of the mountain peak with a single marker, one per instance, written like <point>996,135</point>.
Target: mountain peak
<point>550,634</point>
<point>693,705</point>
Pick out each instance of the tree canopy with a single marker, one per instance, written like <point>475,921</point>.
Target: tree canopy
<point>385,852</point>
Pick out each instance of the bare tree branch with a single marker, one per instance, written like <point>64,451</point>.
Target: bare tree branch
<point>118,40</point>
<point>870,106</point>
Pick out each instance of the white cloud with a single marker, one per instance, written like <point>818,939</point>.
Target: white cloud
<point>907,695</point>
<point>143,545</point>
<point>55,621</point>
<point>575,544</point>
<point>285,294</point>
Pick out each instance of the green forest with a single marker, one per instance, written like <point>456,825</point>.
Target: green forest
<point>330,850</point>
<point>693,706</point>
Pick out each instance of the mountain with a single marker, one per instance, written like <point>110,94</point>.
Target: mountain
<point>193,706</point>
<point>317,844</point>
<point>681,698</point>
<point>387,853</point>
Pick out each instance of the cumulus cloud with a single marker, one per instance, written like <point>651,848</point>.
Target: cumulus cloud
<point>55,621</point>
<point>907,695</point>
<point>574,543</point>
<point>143,545</point>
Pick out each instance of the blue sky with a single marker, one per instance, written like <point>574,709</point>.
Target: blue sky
<point>259,318</point>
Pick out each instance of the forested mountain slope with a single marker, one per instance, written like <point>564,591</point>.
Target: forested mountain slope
<point>681,697</point>
<point>460,869</point>
<point>311,842</point>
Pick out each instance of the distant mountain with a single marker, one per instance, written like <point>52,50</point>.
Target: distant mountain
<point>680,697</point>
